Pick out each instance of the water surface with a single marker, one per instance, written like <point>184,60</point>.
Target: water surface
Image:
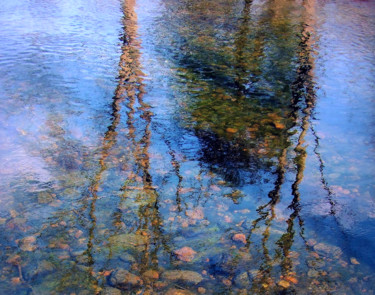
<point>184,147</point>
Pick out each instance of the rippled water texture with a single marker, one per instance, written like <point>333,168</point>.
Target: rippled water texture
<point>187,147</point>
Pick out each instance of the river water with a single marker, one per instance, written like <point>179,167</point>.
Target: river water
<point>187,147</point>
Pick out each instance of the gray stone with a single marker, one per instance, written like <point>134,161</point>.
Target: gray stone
<point>110,291</point>
<point>185,276</point>
<point>123,279</point>
<point>45,266</point>
<point>126,257</point>
<point>312,273</point>
<point>82,259</point>
<point>328,250</point>
<point>316,263</point>
<point>242,280</point>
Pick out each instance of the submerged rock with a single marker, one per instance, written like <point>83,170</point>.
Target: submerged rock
<point>291,279</point>
<point>16,281</point>
<point>316,263</point>
<point>354,261</point>
<point>27,244</point>
<point>186,276</point>
<point>110,291</point>
<point>15,259</point>
<point>185,254</point>
<point>44,267</point>
<point>123,279</point>
<point>284,284</point>
<point>196,213</point>
<point>311,242</point>
<point>242,280</point>
<point>231,130</point>
<point>227,282</point>
<point>160,284</point>
<point>328,250</point>
<point>226,264</point>
<point>46,197</point>
<point>17,222</point>
<point>239,238</point>
<point>126,257</point>
<point>127,241</point>
<point>151,275</point>
<point>175,291</point>
<point>312,273</point>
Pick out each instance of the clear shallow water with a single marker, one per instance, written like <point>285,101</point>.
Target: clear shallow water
<point>226,146</point>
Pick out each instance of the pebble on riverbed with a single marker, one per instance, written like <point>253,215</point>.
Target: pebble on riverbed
<point>231,130</point>
<point>110,291</point>
<point>239,238</point>
<point>185,254</point>
<point>312,273</point>
<point>46,197</point>
<point>150,275</point>
<point>242,280</point>
<point>15,259</point>
<point>354,261</point>
<point>123,279</point>
<point>28,244</point>
<point>196,213</point>
<point>328,250</point>
<point>284,284</point>
<point>186,276</point>
<point>175,291</point>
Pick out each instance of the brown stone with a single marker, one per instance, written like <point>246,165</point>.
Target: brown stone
<point>185,254</point>
<point>354,260</point>
<point>16,281</point>
<point>196,213</point>
<point>175,291</point>
<point>15,259</point>
<point>215,188</point>
<point>185,190</point>
<point>78,234</point>
<point>232,130</point>
<point>110,291</point>
<point>284,284</point>
<point>27,244</point>
<point>239,238</point>
<point>160,285</point>
<point>291,279</point>
<point>123,279</point>
<point>279,125</point>
<point>151,275</point>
